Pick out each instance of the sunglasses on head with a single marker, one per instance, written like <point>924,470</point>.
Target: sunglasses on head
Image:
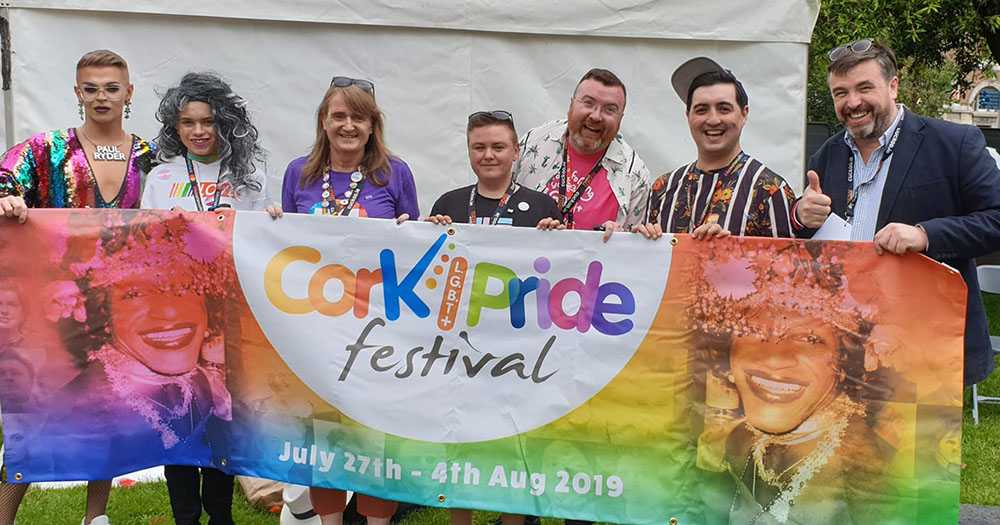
<point>365,85</point>
<point>855,47</point>
<point>496,114</point>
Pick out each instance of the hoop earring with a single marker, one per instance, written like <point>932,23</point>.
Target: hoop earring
<point>128,108</point>
<point>80,109</point>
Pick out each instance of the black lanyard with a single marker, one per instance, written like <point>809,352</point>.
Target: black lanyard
<point>852,194</point>
<point>691,182</point>
<point>500,206</point>
<point>566,206</point>
<point>331,204</point>
<point>196,190</point>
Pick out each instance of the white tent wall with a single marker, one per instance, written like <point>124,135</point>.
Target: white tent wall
<point>432,63</point>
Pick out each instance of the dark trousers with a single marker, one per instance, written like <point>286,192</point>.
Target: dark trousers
<point>188,493</point>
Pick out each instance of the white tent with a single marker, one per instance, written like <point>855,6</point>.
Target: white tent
<point>433,63</point>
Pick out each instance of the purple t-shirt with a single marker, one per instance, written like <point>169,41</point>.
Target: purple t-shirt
<point>397,197</point>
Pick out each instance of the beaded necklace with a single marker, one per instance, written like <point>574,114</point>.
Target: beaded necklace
<point>334,206</point>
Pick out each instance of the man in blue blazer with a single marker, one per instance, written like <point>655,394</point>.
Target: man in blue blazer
<point>908,183</point>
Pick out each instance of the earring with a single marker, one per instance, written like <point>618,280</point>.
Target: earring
<point>80,108</point>
<point>731,378</point>
<point>128,108</point>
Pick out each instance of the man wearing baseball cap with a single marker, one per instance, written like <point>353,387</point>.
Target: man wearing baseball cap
<point>725,190</point>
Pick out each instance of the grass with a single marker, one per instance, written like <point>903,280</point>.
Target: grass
<point>981,445</point>
<point>147,503</point>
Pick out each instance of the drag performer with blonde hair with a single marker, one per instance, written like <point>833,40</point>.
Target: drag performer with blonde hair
<point>95,165</point>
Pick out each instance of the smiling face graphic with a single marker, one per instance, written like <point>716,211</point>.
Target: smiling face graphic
<point>162,330</point>
<point>789,374</point>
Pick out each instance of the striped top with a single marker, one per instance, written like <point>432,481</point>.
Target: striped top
<point>51,170</point>
<point>750,201</point>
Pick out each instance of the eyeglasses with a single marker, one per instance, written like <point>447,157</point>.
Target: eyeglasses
<point>855,47</point>
<point>365,85</point>
<point>112,92</point>
<point>496,114</point>
<point>609,110</point>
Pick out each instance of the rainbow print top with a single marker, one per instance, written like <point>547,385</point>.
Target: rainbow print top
<point>51,170</point>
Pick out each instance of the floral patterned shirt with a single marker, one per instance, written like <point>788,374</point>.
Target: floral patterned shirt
<point>749,200</point>
<point>541,159</point>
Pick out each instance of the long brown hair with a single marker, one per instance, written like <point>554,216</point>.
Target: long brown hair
<point>376,158</point>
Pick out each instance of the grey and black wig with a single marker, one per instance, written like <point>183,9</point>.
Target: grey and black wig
<point>237,138</point>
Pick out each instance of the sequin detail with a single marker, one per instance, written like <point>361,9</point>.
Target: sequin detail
<point>50,170</point>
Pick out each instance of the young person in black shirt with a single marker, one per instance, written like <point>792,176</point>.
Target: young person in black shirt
<point>494,199</point>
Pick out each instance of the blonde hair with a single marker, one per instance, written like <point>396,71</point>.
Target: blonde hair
<point>377,154</point>
<point>102,58</point>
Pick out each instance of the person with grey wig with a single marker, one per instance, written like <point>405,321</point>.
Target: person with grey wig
<point>209,148</point>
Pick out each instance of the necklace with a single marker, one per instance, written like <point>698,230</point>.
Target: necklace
<point>334,206</point>
<point>107,152</point>
<point>781,505</point>
<point>121,384</point>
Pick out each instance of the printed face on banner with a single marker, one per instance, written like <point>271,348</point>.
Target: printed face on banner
<point>162,330</point>
<point>507,332</point>
<point>786,376</point>
<point>10,311</point>
<point>15,379</point>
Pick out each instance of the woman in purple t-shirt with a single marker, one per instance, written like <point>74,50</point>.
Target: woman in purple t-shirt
<point>350,171</point>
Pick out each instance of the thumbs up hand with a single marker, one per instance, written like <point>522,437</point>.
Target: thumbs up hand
<point>813,207</point>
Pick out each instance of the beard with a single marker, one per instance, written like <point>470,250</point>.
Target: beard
<point>879,123</point>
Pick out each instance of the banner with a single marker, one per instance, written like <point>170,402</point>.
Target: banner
<point>733,381</point>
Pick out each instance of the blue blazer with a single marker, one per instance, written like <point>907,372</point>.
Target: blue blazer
<point>942,178</point>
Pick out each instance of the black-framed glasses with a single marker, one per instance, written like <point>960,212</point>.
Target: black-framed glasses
<point>365,85</point>
<point>496,114</point>
<point>855,47</point>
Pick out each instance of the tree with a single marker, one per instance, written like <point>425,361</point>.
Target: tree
<point>937,44</point>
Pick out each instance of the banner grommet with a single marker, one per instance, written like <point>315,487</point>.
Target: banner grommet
<point>441,498</point>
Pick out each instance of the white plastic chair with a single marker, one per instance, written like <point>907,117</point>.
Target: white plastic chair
<point>989,282</point>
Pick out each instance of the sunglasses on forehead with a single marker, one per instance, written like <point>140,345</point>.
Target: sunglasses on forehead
<point>496,114</point>
<point>365,85</point>
<point>855,47</point>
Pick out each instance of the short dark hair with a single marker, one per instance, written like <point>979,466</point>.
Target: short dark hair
<point>718,77</point>
<point>882,55</point>
<point>604,77</point>
<point>482,119</point>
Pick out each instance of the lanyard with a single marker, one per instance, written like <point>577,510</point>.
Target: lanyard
<point>330,198</point>
<point>691,182</point>
<point>566,206</point>
<point>500,206</point>
<point>196,191</point>
<point>852,194</point>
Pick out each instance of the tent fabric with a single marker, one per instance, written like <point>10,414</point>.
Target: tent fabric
<point>433,65</point>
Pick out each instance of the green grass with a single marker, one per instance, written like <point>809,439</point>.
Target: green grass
<point>147,503</point>
<point>981,445</point>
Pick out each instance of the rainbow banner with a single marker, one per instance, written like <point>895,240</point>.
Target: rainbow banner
<point>735,381</point>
